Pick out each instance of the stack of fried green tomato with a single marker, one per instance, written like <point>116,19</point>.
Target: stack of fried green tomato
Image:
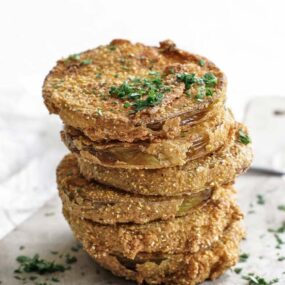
<point>147,188</point>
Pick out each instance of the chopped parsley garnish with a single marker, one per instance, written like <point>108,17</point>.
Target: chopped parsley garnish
<point>99,112</point>
<point>77,57</point>
<point>260,200</point>
<point>281,258</point>
<point>86,61</point>
<point>243,257</point>
<point>141,93</point>
<point>35,264</point>
<point>244,138</point>
<point>210,79</point>
<point>112,47</point>
<point>187,78</point>
<point>74,57</point>
<point>202,62</point>
<point>206,83</point>
<point>257,280</point>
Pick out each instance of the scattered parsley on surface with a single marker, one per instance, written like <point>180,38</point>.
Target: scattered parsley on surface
<point>35,264</point>
<point>238,270</point>
<point>281,208</point>
<point>243,257</point>
<point>260,200</point>
<point>278,240</point>
<point>257,280</point>
<point>279,230</point>
<point>69,259</point>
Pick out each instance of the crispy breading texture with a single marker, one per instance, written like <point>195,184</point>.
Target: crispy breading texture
<point>219,168</point>
<point>178,269</point>
<point>201,140</point>
<point>202,226</point>
<point>107,205</point>
<point>78,89</point>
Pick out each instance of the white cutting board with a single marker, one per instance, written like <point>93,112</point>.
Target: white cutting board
<point>47,231</point>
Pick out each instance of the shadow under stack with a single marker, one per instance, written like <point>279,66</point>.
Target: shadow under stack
<point>148,185</point>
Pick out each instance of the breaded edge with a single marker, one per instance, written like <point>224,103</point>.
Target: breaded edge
<point>219,168</point>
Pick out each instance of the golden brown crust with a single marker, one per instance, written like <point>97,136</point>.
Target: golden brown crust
<point>180,269</point>
<point>106,205</point>
<point>79,92</point>
<point>201,140</point>
<point>191,233</point>
<point>218,168</point>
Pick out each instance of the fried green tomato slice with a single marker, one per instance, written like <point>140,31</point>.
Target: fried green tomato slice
<point>127,92</point>
<point>203,225</point>
<point>218,168</point>
<point>106,205</point>
<point>201,140</point>
<point>177,269</point>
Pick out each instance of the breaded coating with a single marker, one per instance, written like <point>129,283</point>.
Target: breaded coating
<point>219,168</point>
<point>201,140</point>
<point>88,90</point>
<point>179,269</point>
<point>202,226</point>
<point>107,205</point>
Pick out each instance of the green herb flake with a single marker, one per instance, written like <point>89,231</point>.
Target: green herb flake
<point>210,79</point>
<point>76,247</point>
<point>75,57</point>
<point>187,78</point>
<point>260,200</point>
<point>141,93</point>
<point>279,230</point>
<point>238,270</point>
<point>54,279</point>
<point>281,208</point>
<point>22,247</point>
<point>243,257</point>
<point>281,258</point>
<point>112,47</point>
<point>279,241</point>
<point>86,61</point>
<point>69,259</point>
<point>127,105</point>
<point>257,280</point>
<point>244,138</point>
<point>202,62</point>
<point>99,112</point>
<point>35,264</point>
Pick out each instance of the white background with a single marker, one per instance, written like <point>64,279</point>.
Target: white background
<point>245,38</point>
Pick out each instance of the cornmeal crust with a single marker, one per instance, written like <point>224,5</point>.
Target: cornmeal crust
<point>107,205</point>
